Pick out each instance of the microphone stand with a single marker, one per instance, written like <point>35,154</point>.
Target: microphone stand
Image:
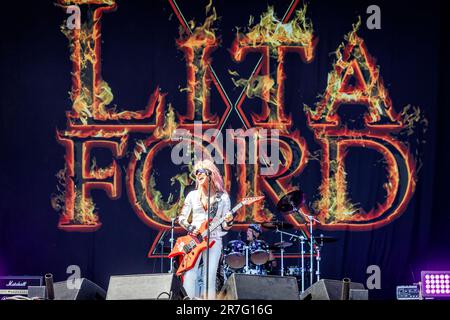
<point>208,235</point>
<point>302,250</point>
<point>171,245</point>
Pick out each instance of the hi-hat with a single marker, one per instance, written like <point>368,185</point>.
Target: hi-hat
<point>277,225</point>
<point>290,201</point>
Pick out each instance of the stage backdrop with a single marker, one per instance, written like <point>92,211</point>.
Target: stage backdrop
<point>95,110</point>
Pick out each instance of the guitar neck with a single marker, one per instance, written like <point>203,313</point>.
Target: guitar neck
<point>215,224</point>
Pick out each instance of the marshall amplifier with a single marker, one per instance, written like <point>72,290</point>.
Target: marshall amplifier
<point>17,285</point>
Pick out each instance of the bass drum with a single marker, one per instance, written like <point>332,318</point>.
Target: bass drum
<point>234,254</point>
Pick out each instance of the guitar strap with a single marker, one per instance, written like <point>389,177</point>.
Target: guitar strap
<point>215,205</point>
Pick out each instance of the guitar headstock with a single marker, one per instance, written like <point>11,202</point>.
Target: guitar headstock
<point>250,200</point>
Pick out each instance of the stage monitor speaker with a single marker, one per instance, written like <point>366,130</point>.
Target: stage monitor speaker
<point>326,289</point>
<point>164,286</point>
<point>255,287</point>
<point>87,291</point>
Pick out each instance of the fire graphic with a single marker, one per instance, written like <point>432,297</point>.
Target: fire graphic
<point>138,141</point>
<point>381,124</point>
<point>272,38</point>
<point>198,46</point>
<point>354,62</point>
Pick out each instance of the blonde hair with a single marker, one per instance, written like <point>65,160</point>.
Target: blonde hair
<point>216,177</point>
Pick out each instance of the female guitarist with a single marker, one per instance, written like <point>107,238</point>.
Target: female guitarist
<point>197,203</point>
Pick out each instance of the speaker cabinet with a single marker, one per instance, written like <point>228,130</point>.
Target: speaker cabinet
<point>326,289</point>
<point>255,287</point>
<point>164,286</point>
<point>87,291</point>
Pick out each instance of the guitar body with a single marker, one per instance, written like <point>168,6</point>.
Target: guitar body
<point>189,257</point>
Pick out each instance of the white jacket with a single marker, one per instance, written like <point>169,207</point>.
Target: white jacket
<point>199,215</point>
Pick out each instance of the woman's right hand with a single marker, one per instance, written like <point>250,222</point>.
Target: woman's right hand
<point>192,229</point>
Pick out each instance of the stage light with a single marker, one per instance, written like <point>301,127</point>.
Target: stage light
<point>435,284</point>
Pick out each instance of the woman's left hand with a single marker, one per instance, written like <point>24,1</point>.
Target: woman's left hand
<point>229,217</point>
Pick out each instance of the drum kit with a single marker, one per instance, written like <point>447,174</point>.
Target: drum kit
<point>254,257</point>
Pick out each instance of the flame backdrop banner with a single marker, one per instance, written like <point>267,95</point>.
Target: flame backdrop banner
<point>91,115</point>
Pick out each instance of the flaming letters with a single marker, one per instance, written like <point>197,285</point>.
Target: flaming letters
<point>140,137</point>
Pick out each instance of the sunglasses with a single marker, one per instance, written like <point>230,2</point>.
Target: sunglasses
<point>200,171</point>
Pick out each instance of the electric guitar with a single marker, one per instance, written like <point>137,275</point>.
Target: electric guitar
<point>189,247</point>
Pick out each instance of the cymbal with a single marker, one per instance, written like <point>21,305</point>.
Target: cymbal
<point>277,224</point>
<point>280,245</point>
<point>325,239</point>
<point>290,201</point>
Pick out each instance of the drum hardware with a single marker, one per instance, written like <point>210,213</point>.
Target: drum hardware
<point>321,240</point>
<point>278,226</point>
<point>311,247</point>
<point>302,239</point>
<point>291,203</point>
<point>246,260</point>
<point>302,250</point>
<point>318,258</point>
<point>246,267</point>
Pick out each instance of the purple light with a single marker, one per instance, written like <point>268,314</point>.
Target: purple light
<point>436,284</point>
